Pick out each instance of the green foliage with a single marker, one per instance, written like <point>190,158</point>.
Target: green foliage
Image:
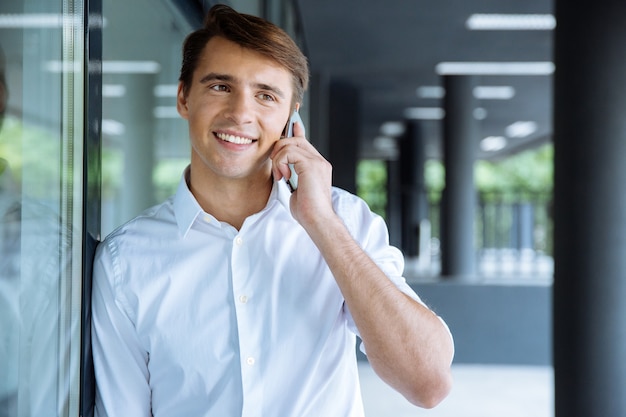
<point>526,173</point>
<point>434,179</point>
<point>32,155</point>
<point>371,179</point>
<point>112,169</point>
<point>166,176</point>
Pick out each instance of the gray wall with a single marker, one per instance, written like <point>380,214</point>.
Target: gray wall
<point>495,323</point>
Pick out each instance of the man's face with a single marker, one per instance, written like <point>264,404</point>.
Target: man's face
<point>237,106</point>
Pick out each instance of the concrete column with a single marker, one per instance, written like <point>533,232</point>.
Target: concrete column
<point>414,205</point>
<point>458,205</point>
<point>590,208</point>
<point>136,111</point>
<point>343,133</point>
<point>317,129</point>
<point>394,205</point>
<point>333,126</point>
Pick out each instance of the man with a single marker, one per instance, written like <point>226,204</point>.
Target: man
<point>238,297</point>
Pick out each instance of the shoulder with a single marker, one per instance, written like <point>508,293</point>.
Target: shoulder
<point>353,210</point>
<point>345,202</point>
<point>370,230</point>
<point>153,224</point>
<point>365,226</point>
<point>145,223</point>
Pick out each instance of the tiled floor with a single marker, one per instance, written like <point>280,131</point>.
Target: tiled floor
<point>479,391</point>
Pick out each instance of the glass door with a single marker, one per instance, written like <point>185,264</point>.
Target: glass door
<point>42,74</point>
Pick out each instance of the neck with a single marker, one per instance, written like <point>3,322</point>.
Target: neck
<point>231,200</point>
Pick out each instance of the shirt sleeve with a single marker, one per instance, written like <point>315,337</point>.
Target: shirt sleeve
<point>370,231</point>
<point>120,362</point>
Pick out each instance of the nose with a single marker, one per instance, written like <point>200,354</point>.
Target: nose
<point>239,108</point>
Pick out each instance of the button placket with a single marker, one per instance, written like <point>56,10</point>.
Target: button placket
<point>243,293</point>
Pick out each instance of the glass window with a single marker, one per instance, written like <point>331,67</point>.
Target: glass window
<point>41,109</point>
<point>145,145</point>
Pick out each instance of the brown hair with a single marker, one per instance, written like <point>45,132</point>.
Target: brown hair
<point>250,32</point>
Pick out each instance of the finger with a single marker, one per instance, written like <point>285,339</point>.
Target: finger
<point>298,129</point>
<point>280,162</point>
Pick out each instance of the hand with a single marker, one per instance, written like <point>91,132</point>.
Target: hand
<point>311,202</point>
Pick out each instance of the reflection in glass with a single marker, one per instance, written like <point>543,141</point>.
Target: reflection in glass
<point>144,140</point>
<point>38,319</point>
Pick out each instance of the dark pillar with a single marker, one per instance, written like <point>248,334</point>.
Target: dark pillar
<point>317,128</point>
<point>394,204</point>
<point>343,134</point>
<point>413,193</point>
<point>458,200</point>
<point>590,208</point>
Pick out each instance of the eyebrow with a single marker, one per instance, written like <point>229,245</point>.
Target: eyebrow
<point>213,76</point>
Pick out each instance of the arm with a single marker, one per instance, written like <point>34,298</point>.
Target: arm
<point>120,363</point>
<point>407,344</point>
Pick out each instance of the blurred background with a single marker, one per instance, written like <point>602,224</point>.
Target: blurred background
<point>440,114</point>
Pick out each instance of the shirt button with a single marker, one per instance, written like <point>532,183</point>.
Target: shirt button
<point>239,240</point>
<point>250,361</point>
<point>207,218</point>
<point>243,299</point>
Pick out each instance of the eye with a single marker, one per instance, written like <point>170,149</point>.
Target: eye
<point>219,87</point>
<point>266,97</point>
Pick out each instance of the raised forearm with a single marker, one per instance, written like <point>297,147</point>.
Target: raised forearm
<point>407,345</point>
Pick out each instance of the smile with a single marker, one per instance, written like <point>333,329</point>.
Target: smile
<point>234,139</point>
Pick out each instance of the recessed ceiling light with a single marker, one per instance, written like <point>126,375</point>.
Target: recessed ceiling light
<point>60,66</point>
<point>430,91</point>
<point>498,92</point>
<point>424,113</point>
<point>385,143</point>
<point>166,90</point>
<point>113,90</point>
<point>496,21</point>
<point>495,68</point>
<point>521,129</point>
<point>130,67</point>
<point>166,112</point>
<point>31,20</point>
<point>108,67</point>
<point>112,127</point>
<point>43,20</point>
<point>392,128</point>
<point>480,113</point>
<point>493,143</point>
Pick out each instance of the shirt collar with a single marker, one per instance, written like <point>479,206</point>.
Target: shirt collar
<point>282,193</point>
<point>187,209</point>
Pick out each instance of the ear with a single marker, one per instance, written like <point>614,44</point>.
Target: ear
<point>297,106</point>
<point>181,102</point>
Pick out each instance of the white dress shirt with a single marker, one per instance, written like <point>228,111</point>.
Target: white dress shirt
<point>194,318</point>
<point>32,343</point>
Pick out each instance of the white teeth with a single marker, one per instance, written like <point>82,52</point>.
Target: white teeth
<point>234,139</point>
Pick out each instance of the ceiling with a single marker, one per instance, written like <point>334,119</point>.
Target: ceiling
<point>386,50</point>
<point>389,49</point>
